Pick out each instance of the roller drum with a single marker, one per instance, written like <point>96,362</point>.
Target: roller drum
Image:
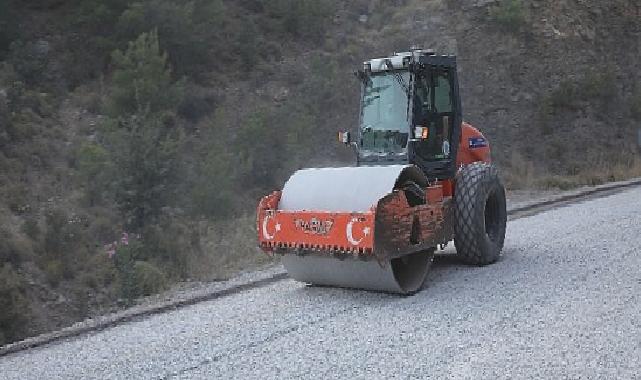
<point>404,275</point>
<point>351,190</point>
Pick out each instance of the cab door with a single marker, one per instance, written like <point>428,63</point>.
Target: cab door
<point>433,113</point>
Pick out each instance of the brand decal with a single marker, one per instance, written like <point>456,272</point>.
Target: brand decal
<point>477,142</point>
<point>314,226</point>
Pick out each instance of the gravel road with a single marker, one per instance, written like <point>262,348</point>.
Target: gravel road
<point>563,302</point>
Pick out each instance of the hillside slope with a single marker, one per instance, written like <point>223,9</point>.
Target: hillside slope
<point>157,124</point>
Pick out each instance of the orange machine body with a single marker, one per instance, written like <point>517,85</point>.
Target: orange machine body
<point>392,227</point>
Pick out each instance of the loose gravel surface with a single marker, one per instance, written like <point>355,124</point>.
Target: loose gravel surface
<point>563,302</point>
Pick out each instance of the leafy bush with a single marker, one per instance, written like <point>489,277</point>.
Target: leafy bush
<point>142,79</point>
<point>635,105</point>
<point>54,271</point>
<point>198,102</point>
<point>137,277</point>
<point>26,106</point>
<point>142,137</point>
<point>13,303</point>
<point>558,182</point>
<point>144,150</point>
<point>93,21</point>
<point>213,193</point>
<point>509,14</point>
<point>31,227</point>
<point>99,273</point>
<point>103,228</point>
<point>148,278</point>
<point>597,88</point>
<point>564,96</point>
<point>95,169</point>
<point>13,249</point>
<point>125,259</point>
<point>302,18</point>
<point>65,243</point>
<point>31,60</point>
<point>173,243</point>
<point>96,17</point>
<point>186,29</point>
<point>55,239</point>
<point>258,162</point>
<point>8,26</point>
<point>17,199</point>
<point>5,122</point>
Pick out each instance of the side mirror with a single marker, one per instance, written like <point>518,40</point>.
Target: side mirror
<point>345,138</point>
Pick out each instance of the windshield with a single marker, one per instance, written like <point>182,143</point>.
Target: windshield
<point>384,123</point>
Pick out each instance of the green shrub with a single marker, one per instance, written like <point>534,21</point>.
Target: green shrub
<point>54,271</point>
<point>564,96</point>
<point>65,242</point>
<point>509,14</point>
<point>137,276</point>
<point>557,182</point>
<point>5,120</point>
<point>148,278</point>
<point>142,79</point>
<point>27,106</point>
<point>198,102</point>
<point>302,18</point>
<point>30,60</point>
<point>103,228</point>
<point>13,248</point>
<point>17,199</point>
<point>601,86</point>
<point>56,225</point>
<point>86,58</point>
<point>8,27</point>
<point>214,192</point>
<point>95,169</point>
<point>258,162</point>
<point>13,303</point>
<point>635,105</point>
<point>99,272</point>
<point>31,227</point>
<point>597,88</point>
<point>96,18</point>
<point>124,261</point>
<point>144,150</point>
<point>173,243</point>
<point>142,135</point>
<point>189,31</point>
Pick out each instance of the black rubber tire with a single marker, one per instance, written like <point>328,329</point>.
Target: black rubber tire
<point>480,214</point>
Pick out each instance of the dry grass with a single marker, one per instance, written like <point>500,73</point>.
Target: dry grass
<point>523,174</point>
<point>519,173</point>
<point>228,247</point>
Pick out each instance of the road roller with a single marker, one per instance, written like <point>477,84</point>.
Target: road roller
<point>422,178</point>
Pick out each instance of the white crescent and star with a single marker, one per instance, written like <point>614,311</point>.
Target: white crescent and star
<point>350,229</point>
<point>266,233</point>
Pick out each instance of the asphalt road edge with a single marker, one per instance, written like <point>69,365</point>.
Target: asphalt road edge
<point>252,280</point>
<point>92,325</point>
<point>570,197</point>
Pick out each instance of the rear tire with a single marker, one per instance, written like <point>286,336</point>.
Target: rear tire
<point>480,214</point>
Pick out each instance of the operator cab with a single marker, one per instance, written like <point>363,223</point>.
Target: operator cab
<point>410,112</point>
